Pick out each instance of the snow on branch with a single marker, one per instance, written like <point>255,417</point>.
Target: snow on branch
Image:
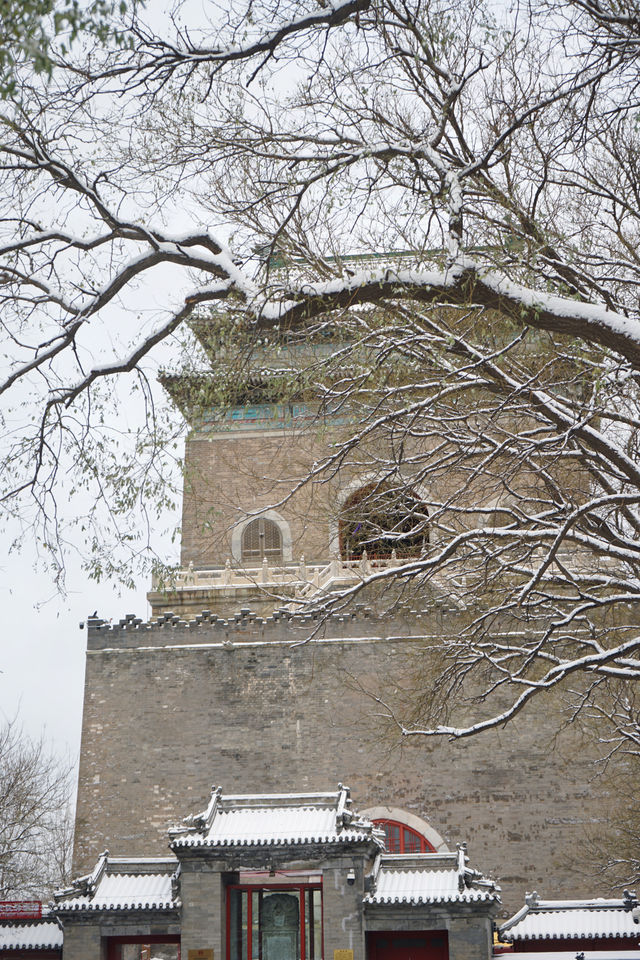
<point>466,283</point>
<point>160,59</point>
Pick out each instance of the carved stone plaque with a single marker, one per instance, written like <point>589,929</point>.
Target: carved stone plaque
<point>280,926</point>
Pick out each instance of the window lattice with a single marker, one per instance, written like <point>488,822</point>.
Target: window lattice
<point>261,538</point>
<point>402,839</point>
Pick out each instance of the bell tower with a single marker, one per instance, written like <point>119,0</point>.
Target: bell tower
<point>258,530</point>
<point>234,681</point>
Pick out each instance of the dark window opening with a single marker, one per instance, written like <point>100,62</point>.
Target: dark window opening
<point>380,519</point>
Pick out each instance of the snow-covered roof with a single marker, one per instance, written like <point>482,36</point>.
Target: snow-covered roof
<point>42,934</point>
<point>421,878</point>
<point>567,919</point>
<point>276,820</point>
<point>118,884</point>
<point>571,954</point>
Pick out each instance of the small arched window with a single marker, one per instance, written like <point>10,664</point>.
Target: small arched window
<point>380,519</point>
<point>261,538</point>
<point>402,839</point>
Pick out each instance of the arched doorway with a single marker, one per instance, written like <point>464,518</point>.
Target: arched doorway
<point>381,519</point>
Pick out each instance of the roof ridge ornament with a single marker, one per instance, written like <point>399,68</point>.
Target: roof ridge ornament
<point>344,816</point>
<point>96,876</point>
<point>201,822</point>
<point>87,885</point>
<point>630,902</point>
<point>462,865</point>
<point>175,882</point>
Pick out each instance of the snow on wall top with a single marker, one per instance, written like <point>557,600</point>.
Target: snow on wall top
<point>282,820</point>
<point>430,878</point>
<point>570,955</point>
<point>123,885</point>
<point>30,935</point>
<point>566,919</point>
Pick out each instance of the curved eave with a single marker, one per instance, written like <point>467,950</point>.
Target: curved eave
<point>572,935</point>
<point>200,843</point>
<point>194,394</point>
<point>207,332</point>
<point>26,947</point>
<point>115,907</point>
<point>426,901</point>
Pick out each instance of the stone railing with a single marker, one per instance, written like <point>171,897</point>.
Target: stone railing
<point>301,580</point>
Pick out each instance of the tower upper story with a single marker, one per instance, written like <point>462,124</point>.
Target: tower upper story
<point>304,470</point>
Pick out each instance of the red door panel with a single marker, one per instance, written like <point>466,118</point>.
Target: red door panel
<point>413,945</point>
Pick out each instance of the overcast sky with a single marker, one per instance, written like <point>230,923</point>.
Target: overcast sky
<point>43,648</point>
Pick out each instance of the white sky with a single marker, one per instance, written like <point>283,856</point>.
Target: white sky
<point>42,650</point>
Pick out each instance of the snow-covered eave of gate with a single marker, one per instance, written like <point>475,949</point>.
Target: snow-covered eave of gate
<point>276,820</point>
<point>121,884</point>
<point>430,878</point>
<point>572,919</point>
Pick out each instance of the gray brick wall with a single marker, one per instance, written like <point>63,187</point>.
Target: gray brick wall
<point>227,476</point>
<point>342,910</point>
<point>203,908</point>
<point>469,927</point>
<point>470,938</point>
<point>174,708</point>
<point>82,941</point>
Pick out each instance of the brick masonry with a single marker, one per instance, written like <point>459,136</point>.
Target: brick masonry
<point>83,941</point>
<point>174,707</point>
<point>228,477</point>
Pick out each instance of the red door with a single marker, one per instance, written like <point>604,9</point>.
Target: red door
<point>410,945</point>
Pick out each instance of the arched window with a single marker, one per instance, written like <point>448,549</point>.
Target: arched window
<point>402,839</point>
<point>261,538</point>
<point>382,519</point>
